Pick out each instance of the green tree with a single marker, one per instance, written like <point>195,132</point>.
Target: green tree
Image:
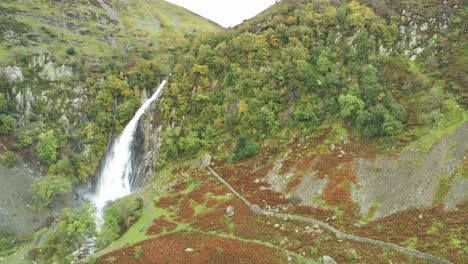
<point>245,148</point>
<point>47,148</point>
<point>350,106</point>
<point>46,189</point>
<point>3,103</point>
<point>63,167</point>
<point>200,69</point>
<point>73,229</point>
<point>118,217</point>
<point>25,140</point>
<point>371,89</point>
<point>363,45</point>
<point>7,124</point>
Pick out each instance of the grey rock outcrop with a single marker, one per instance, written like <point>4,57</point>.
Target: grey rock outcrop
<point>411,179</point>
<point>52,73</point>
<point>203,161</point>
<point>310,186</point>
<point>327,260</point>
<point>279,181</point>
<point>13,74</point>
<point>458,192</point>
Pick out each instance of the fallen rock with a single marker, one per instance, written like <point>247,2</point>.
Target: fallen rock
<point>230,210</point>
<point>327,260</point>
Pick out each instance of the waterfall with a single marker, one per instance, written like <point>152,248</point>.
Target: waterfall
<point>114,180</point>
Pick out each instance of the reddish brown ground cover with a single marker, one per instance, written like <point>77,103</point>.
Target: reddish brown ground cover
<point>288,235</point>
<point>242,177</point>
<point>7,143</point>
<point>437,231</point>
<point>206,249</point>
<point>159,225</point>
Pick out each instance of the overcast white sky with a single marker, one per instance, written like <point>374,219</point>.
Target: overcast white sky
<point>227,13</point>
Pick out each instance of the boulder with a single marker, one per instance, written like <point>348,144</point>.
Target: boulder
<point>327,260</point>
<point>230,210</point>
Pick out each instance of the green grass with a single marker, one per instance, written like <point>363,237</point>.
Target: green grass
<point>194,184</point>
<point>456,242</point>
<point>210,195</point>
<point>137,232</point>
<point>19,254</point>
<point>411,242</point>
<point>443,189</point>
<point>454,116</point>
<point>337,133</point>
<point>372,210</point>
<point>177,23</point>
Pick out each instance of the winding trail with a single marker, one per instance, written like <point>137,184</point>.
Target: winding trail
<point>338,233</point>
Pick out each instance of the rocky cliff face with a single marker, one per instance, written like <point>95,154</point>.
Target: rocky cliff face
<point>41,89</point>
<point>414,179</point>
<point>150,129</point>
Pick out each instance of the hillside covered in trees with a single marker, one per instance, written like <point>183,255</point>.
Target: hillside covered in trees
<point>381,69</point>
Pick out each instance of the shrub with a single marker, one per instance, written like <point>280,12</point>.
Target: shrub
<point>244,149</point>
<point>63,167</point>
<point>7,124</point>
<point>137,253</point>
<point>124,212</point>
<point>71,51</point>
<point>350,106</point>
<point>46,189</point>
<point>25,140</point>
<point>47,148</point>
<point>118,217</point>
<point>6,239</point>
<point>9,159</point>
<point>3,103</point>
<point>146,55</point>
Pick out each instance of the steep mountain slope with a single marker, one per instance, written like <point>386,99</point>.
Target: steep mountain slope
<point>352,113</point>
<point>55,54</point>
<point>71,75</point>
<point>95,29</point>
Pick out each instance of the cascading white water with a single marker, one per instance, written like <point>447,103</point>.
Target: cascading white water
<point>116,172</point>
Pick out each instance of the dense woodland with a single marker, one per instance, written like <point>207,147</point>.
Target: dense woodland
<point>294,70</point>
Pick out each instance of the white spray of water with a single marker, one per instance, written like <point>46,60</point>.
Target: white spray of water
<point>116,172</point>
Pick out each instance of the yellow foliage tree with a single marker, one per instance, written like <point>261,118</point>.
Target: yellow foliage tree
<point>361,16</point>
